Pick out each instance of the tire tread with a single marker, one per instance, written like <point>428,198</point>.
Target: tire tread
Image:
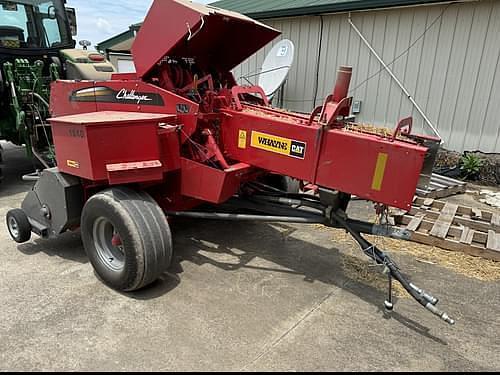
<point>153,231</point>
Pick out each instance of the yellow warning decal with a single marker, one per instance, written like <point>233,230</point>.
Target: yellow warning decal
<point>72,164</point>
<point>378,176</point>
<point>242,139</point>
<point>279,145</point>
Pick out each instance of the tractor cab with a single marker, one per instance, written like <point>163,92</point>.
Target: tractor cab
<point>27,26</point>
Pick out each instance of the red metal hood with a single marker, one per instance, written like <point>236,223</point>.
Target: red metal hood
<point>216,38</point>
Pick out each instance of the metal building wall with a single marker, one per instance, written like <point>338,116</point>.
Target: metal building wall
<point>453,72</point>
<point>114,57</point>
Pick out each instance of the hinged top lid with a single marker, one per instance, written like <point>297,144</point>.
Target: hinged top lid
<point>111,118</point>
<point>215,38</point>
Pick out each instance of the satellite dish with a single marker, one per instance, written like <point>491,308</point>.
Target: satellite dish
<point>85,44</point>
<point>276,67</point>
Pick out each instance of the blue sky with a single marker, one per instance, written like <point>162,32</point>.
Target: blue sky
<point>99,20</point>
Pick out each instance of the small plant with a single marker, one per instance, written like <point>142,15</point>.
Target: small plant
<point>470,165</point>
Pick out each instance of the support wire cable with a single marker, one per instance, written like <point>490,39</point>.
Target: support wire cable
<point>387,68</point>
<point>405,51</point>
<point>439,17</point>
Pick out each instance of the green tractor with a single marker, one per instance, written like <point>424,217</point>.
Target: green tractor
<point>37,48</point>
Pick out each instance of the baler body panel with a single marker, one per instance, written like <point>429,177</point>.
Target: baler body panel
<point>265,141</point>
<point>61,103</point>
<point>208,184</point>
<point>71,98</point>
<point>97,146</point>
<point>371,167</point>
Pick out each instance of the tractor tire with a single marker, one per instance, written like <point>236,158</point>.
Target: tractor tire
<point>291,185</point>
<point>126,237</point>
<point>18,225</point>
<point>284,183</point>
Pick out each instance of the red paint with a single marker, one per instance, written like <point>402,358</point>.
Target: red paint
<point>87,143</point>
<point>208,184</point>
<point>97,57</point>
<point>116,240</point>
<point>348,160</point>
<point>225,39</point>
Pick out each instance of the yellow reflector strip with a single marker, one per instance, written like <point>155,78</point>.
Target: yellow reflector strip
<point>378,177</point>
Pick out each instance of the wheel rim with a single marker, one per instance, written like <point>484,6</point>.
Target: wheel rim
<point>13,227</point>
<point>110,255</point>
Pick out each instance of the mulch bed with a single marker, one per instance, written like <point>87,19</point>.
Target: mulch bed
<point>448,164</point>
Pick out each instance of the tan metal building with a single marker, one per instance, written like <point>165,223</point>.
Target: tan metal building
<point>445,55</point>
<point>117,49</point>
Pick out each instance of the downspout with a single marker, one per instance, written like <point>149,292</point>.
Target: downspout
<point>398,82</point>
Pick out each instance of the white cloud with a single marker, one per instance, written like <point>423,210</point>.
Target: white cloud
<point>104,25</point>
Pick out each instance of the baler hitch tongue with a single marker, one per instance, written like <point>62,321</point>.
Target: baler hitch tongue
<point>391,269</point>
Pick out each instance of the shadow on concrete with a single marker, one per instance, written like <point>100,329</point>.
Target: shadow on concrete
<point>275,245</point>
<point>166,283</point>
<point>411,324</point>
<point>15,165</point>
<point>67,246</point>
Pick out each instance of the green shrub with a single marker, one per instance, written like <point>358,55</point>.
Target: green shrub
<point>470,166</point>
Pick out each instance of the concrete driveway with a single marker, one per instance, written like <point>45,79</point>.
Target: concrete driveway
<point>239,296</point>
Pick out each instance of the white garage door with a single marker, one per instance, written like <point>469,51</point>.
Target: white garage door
<point>126,66</point>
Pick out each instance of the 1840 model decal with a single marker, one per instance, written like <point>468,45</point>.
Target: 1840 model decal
<point>279,145</point>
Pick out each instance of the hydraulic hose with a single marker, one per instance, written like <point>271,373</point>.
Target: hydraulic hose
<point>39,97</point>
<point>422,297</point>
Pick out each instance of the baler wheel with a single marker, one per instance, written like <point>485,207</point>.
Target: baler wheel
<point>18,225</point>
<point>127,238</point>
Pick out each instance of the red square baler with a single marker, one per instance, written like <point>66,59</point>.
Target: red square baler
<point>181,138</point>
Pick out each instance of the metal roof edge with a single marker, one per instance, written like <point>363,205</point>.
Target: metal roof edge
<point>129,34</point>
<point>335,8</point>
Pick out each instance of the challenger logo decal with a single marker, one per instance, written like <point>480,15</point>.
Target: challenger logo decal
<point>103,94</point>
<point>123,94</point>
<point>279,145</point>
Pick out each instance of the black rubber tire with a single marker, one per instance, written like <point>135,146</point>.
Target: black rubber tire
<point>291,185</point>
<point>23,226</point>
<point>284,183</point>
<point>145,236</point>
